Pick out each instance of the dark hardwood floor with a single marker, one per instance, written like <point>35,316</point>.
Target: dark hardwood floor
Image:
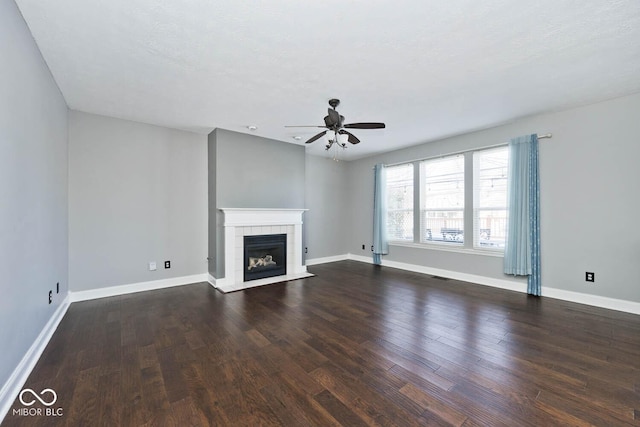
<point>356,345</point>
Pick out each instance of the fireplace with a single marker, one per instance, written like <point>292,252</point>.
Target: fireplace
<point>242,222</point>
<point>265,256</point>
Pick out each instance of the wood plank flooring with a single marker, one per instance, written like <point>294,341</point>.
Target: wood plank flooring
<point>355,345</point>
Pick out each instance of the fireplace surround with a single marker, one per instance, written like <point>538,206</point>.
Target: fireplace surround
<point>241,222</point>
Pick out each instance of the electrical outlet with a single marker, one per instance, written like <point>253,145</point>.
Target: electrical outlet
<point>363,246</point>
<point>167,264</point>
<point>152,266</point>
<point>590,276</point>
<point>306,250</point>
<point>371,248</point>
<point>50,297</point>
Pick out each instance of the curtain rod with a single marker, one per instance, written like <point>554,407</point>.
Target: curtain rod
<point>546,135</point>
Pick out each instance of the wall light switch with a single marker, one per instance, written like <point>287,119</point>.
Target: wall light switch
<point>152,266</point>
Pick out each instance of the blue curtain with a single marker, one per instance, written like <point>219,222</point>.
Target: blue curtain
<point>522,249</point>
<point>380,244</point>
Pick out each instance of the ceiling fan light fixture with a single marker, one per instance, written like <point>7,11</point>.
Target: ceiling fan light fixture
<point>336,132</point>
<point>330,135</point>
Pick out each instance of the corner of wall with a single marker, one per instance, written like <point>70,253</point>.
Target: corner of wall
<point>20,374</point>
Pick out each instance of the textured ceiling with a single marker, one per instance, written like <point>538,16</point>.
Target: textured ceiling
<point>428,69</point>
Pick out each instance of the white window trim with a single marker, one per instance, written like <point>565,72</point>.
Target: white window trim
<point>468,246</point>
<point>475,243</point>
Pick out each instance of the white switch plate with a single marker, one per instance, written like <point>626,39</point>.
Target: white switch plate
<point>152,266</point>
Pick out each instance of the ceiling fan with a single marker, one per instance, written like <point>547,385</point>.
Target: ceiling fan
<point>334,122</point>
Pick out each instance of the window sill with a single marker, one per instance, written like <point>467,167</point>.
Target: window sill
<point>449,248</point>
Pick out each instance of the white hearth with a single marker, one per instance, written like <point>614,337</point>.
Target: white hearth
<point>240,222</point>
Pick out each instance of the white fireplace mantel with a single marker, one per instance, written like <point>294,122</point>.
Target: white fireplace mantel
<point>243,217</point>
<point>240,222</point>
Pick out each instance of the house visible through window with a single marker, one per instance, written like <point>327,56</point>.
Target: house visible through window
<point>442,200</point>
<point>490,197</point>
<point>400,202</point>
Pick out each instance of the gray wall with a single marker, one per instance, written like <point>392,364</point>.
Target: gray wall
<point>137,193</point>
<point>252,172</point>
<point>327,222</point>
<point>589,198</point>
<point>33,191</point>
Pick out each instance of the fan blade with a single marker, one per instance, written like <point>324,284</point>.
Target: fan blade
<point>318,136</point>
<point>365,126</point>
<point>334,117</point>
<point>352,138</point>
<point>305,126</point>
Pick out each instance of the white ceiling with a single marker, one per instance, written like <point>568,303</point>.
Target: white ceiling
<point>426,68</point>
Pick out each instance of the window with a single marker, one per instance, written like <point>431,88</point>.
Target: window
<point>490,197</point>
<point>400,202</point>
<point>451,208</point>
<point>442,200</point>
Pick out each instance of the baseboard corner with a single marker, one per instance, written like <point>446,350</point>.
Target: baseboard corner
<point>21,373</point>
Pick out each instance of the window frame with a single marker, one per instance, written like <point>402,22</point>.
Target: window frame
<point>423,210</point>
<point>468,245</point>
<point>411,209</point>
<point>476,200</point>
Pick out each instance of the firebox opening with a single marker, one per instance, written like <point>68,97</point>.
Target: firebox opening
<point>265,256</point>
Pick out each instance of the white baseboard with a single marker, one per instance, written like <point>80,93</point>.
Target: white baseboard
<point>594,300</point>
<point>361,258</point>
<point>512,285</point>
<point>324,260</point>
<point>137,287</point>
<point>14,384</point>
